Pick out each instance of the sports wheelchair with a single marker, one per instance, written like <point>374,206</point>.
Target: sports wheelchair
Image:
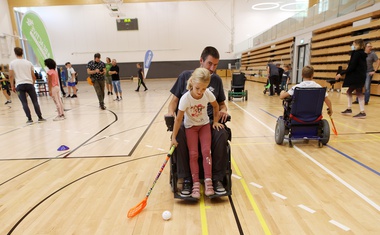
<point>174,182</point>
<point>237,87</point>
<point>303,118</point>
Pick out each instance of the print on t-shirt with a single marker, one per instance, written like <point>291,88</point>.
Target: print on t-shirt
<point>196,110</point>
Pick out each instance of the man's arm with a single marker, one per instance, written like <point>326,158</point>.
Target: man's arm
<point>33,76</point>
<point>329,105</point>
<point>223,111</point>
<point>12,80</point>
<point>172,106</point>
<point>284,94</point>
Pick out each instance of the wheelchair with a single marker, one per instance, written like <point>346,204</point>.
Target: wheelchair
<point>237,87</point>
<point>174,181</point>
<point>303,118</point>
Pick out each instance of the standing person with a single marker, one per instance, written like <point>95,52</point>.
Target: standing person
<point>193,105</point>
<point>280,74</point>
<point>355,77</point>
<point>61,82</point>
<point>21,71</point>
<point>108,76</point>
<point>285,77</point>
<point>97,69</point>
<point>6,87</point>
<point>63,76</point>
<point>114,71</point>
<point>53,84</point>
<point>71,85</point>
<point>371,59</point>
<point>273,75</point>
<point>140,74</point>
<point>209,60</point>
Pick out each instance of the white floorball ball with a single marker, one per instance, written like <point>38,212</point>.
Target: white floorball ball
<point>166,215</point>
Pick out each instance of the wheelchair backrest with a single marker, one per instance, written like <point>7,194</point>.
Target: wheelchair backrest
<point>307,104</point>
<point>238,80</point>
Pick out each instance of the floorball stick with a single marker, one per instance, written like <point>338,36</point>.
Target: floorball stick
<point>139,207</point>
<point>333,126</point>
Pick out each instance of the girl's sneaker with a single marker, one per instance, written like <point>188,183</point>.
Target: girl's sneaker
<point>196,190</point>
<point>209,188</point>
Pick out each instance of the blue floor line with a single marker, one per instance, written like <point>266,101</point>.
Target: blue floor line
<point>336,150</point>
<point>352,159</point>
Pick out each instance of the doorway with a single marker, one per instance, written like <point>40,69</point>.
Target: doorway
<point>302,60</point>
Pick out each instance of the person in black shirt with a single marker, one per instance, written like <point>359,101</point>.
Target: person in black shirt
<point>97,69</point>
<point>141,77</point>
<point>114,72</point>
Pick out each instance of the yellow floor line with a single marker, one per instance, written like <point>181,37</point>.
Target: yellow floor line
<point>251,199</point>
<point>202,208</point>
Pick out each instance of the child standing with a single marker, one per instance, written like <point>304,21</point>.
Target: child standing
<point>193,106</point>
<point>285,78</point>
<point>53,84</point>
<point>71,75</point>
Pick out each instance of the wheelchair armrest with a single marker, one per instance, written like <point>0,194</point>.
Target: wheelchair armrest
<point>169,121</point>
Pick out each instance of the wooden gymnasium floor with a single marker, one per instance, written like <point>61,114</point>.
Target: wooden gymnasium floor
<point>115,154</point>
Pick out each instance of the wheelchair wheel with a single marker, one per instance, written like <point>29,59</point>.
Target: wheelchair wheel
<point>279,131</point>
<point>325,132</point>
<point>246,95</point>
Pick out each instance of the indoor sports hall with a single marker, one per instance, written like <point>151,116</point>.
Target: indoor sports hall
<point>113,156</point>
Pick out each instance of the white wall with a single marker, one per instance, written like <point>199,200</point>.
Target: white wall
<point>172,30</point>
<point>6,49</point>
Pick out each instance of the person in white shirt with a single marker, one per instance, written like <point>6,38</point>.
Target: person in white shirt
<point>193,106</point>
<point>71,85</point>
<point>307,75</point>
<point>21,71</point>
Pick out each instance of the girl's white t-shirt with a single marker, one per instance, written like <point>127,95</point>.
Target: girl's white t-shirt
<point>196,109</point>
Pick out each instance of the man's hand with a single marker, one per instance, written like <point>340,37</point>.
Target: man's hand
<point>223,116</point>
<point>329,112</point>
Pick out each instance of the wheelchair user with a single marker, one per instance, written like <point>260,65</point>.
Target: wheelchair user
<point>192,106</point>
<point>307,75</point>
<point>209,60</point>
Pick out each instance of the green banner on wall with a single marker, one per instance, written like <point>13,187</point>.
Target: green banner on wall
<point>34,31</point>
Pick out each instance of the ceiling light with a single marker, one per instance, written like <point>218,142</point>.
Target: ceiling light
<point>265,6</point>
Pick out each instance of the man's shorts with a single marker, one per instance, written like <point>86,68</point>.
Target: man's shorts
<point>109,80</point>
<point>71,84</point>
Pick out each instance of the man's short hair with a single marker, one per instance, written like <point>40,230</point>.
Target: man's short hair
<point>307,71</point>
<point>67,63</point>
<point>212,51</point>
<point>18,51</point>
<point>97,55</point>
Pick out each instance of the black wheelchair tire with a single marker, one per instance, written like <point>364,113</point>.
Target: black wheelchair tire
<point>279,131</point>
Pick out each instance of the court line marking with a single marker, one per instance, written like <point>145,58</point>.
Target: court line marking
<point>336,223</point>
<point>202,210</point>
<point>256,185</point>
<point>236,176</point>
<point>279,195</point>
<point>251,199</point>
<point>306,208</point>
<point>336,177</point>
<point>354,160</point>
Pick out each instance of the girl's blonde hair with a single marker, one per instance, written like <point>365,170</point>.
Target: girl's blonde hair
<point>200,75</point>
